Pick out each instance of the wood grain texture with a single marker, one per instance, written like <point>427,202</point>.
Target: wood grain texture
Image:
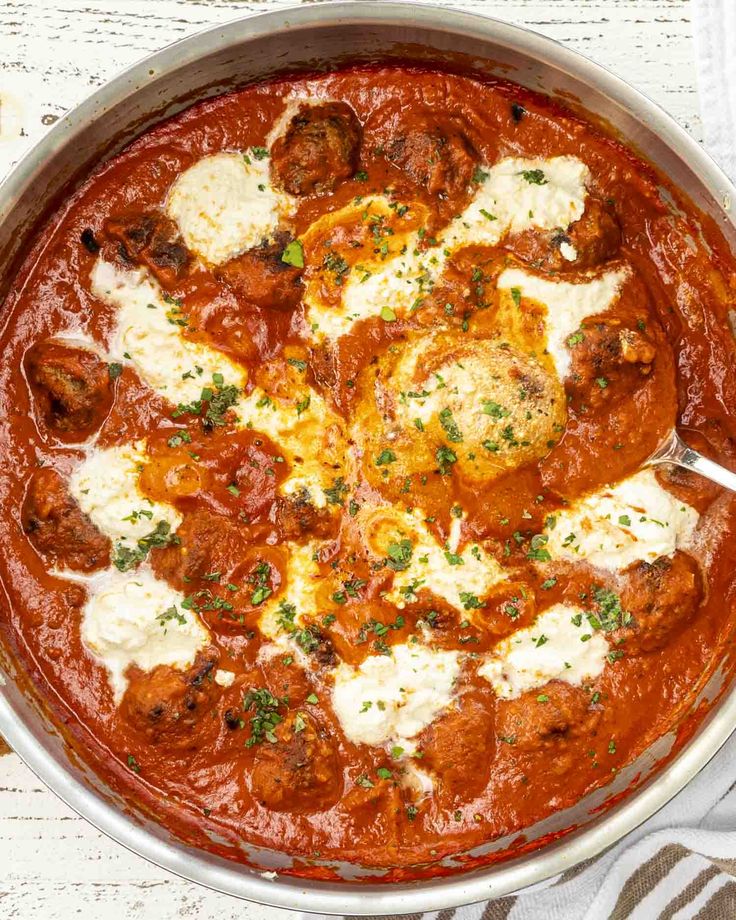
<point>54,52</point>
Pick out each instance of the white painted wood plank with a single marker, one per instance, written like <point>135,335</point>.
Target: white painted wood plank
<point>54,866</point>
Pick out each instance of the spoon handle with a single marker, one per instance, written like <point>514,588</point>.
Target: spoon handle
<point>675,450</point>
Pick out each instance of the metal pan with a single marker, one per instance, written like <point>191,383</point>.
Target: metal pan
<point>323,37</point>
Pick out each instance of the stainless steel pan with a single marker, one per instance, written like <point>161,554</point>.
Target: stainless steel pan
<point>320,37</point>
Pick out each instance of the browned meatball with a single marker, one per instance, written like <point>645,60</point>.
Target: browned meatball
<point>296,516</point>
<point>171,707</point>
<point>437,155</point>
<point>285,678</point>
<point>595,238</point>
<point>544,718</point>
<point>72,387</point>
<point>609,361</point>
<point>318,150</point>
<point>300,772</point>
<point>151,239</point>
<point>261,277</point>
<point>57,527</point>
<point>458,746</point>
<point>662,597</point>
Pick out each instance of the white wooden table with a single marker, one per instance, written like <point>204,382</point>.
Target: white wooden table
<point>53,865</point>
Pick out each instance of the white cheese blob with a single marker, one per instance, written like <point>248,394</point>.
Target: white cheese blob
<point>225,204</point>
<point>105,484</point>
<point>393,697</point>
<point>560,645</point>
<point>567,304</point>
<point>521,193</point>
<point>150,338</point>
<point>632,521</point>
<point>224,678</point>
<point>136,619</point>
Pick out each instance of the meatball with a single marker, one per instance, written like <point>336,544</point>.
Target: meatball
<point>609,361</point>
<point>458,747</point>
<point>544,718</point>
<point>261,277</point>
<point>72,387</point>
<point>436,154</point>
<point>318,149</point>
<point>285,678</point>
<point>662,597</point>
<point>57,527</point>
<point>151,239</point>
<point>296,516</point>
<point>208,543</point>
<point>593,239</point>
<point>171,707</point>
<point>300,772</point>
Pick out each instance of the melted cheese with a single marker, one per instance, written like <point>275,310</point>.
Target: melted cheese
<point>225,204</point>
<point>151,339</point>
<point>105,484</point>
<point>553,648</point>
<point>178,369</point>
<point>309,434</point>
<point>442,570</point>
<point>135,619</point>
<point>303,580</point>
<point>505,201</point>
<point>567,304</point>
<point>393,697</point>
<point>635,520</point>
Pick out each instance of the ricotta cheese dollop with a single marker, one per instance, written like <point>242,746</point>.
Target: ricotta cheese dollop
<point>559,645</point>
<point>105,484</point>
<point>393,697</point>
<point>135,619</point>
<point>567,303</point>
<point>225,204</point>
<point>633,521</point>
<point>150,337</point>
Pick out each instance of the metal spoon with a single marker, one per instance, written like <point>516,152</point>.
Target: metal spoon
<point>675,450</point>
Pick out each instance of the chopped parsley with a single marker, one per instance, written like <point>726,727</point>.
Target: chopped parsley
<point>259,578</point>
<point>446,458</point>
<point>293,254</point>
<point>533,176</point>
<point>494,409</point>
<point>336,493</point>
<point>266,715</point>
<point>450,426</point>
<point>212,405</point>
<point>385,457</point>
<point>399,555</point>
<point>610,614</point>
<point>126,557</point>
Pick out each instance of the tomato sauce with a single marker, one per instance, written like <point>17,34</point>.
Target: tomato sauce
<point>498,764</point>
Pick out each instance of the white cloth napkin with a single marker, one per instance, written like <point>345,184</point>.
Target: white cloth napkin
<point>715,45</point>
<point>681,863</point>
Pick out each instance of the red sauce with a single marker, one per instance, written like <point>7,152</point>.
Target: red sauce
<point>177,742</point>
